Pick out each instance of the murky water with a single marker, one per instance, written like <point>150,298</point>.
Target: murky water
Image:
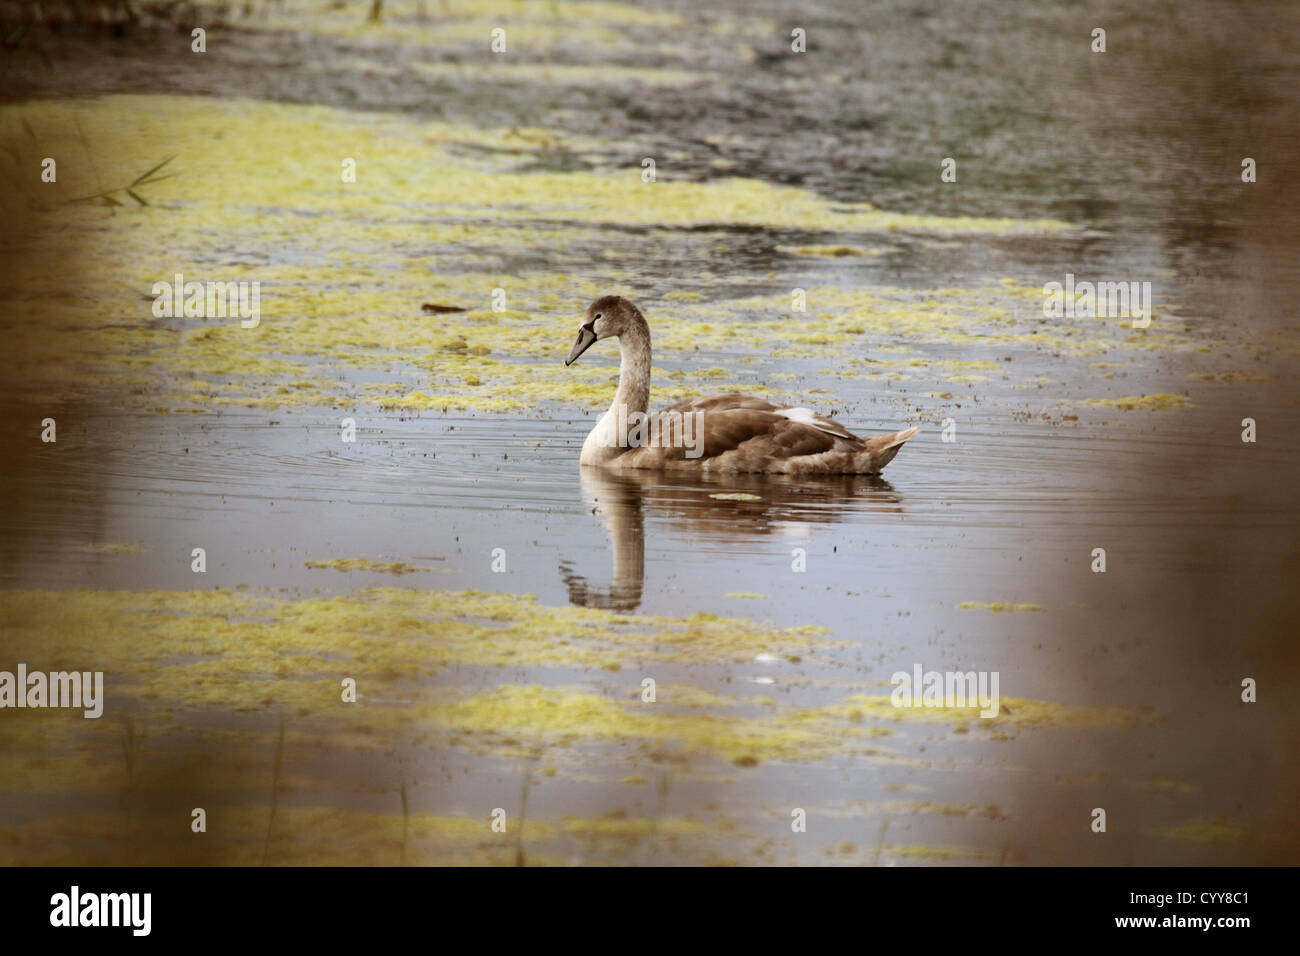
<point>1122,689</point>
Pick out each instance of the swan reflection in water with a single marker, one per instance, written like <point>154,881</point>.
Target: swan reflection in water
<point>763,505</point>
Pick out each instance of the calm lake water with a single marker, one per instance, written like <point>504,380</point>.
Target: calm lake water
<point>1122,689</point>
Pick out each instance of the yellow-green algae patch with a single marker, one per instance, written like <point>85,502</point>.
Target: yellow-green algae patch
<point>1231,378</point>
<point>241,651</point>
<point>1014,712</point>
<point>246,834</point>
<point>1208,832</point>
<point>170,653</point>
<point>495,720</point>
<point>492,719</point>
<point>619,826</point>
<point>207,672</point>
<point>1160,402</point>
<point>939,852</point>
<point>998,607</point>
<point>343,267</point>
<point>859,809</point>
<point>988,811</point>
<point>831,252</point>
<point>347,565</point>
<point>239,837</point>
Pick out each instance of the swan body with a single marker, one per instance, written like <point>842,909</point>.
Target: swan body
<point>728,433</point>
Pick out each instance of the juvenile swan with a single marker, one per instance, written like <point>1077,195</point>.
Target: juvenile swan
<point>729,433</point>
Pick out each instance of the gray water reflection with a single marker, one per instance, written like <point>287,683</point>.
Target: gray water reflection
<point>700,507</point>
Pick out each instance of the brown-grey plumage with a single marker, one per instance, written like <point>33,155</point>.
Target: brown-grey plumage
<point>736,433</point>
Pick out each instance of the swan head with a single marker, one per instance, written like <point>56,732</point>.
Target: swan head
<point>608,317</point>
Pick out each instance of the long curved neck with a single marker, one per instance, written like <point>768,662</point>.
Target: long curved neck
<point>634,367</point>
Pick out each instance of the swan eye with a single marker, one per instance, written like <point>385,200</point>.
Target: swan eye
<point>600,315</point>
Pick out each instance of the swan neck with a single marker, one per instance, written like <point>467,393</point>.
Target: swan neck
<point>634,369</point>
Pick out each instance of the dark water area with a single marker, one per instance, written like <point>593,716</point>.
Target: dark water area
<point>974,554</point>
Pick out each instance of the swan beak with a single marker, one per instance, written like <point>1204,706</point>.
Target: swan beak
<point>585,337</point>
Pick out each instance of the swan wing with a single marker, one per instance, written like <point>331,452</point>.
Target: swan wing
<point>714,404</point>
<point>744,435</point>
